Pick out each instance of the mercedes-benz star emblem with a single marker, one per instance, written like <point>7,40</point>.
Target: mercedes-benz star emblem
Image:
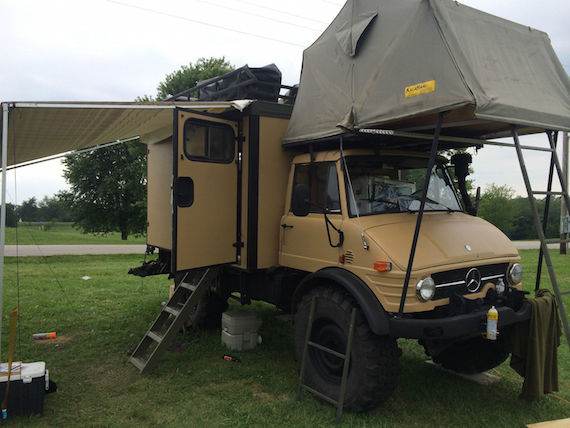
<point>468,247</point>
<point>473,280</point>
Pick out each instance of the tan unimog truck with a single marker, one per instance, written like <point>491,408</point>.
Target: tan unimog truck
<point>327,200</point>
<point>284,227</point>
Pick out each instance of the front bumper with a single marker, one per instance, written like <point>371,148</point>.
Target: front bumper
<point>464,325</point>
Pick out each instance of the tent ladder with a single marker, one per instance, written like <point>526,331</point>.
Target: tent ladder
<point>541,226</point>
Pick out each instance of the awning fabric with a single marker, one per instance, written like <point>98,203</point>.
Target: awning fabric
<point>40,129</point>
<point>397,63</point>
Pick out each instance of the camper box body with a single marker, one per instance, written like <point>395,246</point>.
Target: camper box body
<point>216,218</point>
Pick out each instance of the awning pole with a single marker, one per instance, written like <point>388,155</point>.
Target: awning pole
<point>429,169</point>
<point>3,209</point>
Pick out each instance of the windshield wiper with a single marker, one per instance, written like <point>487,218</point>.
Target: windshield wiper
<point>431,201</point>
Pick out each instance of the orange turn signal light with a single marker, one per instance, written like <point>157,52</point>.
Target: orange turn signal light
<point>383,266</point>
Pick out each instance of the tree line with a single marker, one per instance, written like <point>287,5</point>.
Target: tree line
<point>513,216</point>
<point>50,208</point>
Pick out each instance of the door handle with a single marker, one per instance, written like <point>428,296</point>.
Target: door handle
<point>286,226</point>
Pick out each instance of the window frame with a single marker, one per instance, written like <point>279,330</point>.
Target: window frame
<point>330,164</point>
<point>208,125</point>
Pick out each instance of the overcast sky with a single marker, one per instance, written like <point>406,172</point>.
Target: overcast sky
<point>107,50</point>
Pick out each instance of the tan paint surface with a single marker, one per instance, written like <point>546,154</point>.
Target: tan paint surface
<point>274,164</point>
<point>207,229</point>
<point>159,208</point>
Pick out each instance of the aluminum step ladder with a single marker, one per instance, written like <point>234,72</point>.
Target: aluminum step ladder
<point>171,319</point>
<point>541,226</point>
<point>338,403</point>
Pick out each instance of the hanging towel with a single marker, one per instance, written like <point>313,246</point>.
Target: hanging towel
<point>534,347</point>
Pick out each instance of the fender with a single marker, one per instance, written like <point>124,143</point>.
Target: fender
<point>368,302</point>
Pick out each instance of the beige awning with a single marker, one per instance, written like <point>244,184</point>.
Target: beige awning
<point>38,130</point>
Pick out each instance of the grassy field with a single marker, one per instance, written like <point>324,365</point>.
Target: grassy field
<point>97,321</point>
<point>62,234</point>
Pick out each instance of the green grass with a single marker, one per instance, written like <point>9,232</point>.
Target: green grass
<point>62,234</point>
<point>98,320</point>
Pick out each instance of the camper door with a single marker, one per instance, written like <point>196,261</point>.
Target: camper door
<point>205,191</point>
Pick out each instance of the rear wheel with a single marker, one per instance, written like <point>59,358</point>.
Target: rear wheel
<point>207,314</point>
<point>473,355</point>
<point>374,365</point>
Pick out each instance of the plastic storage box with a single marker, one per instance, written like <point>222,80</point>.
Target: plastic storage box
<point>239,330</point>
<point>28,385</point>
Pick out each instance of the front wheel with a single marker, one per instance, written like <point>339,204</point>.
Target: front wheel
<point>374,361</point>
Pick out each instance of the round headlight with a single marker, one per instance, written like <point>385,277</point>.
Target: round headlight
<point>425,289</point>
<point>515,274</point>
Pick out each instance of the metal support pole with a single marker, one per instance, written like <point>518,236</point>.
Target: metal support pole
<point>539,230</point>
<point>546,209</point>
<point>3,209</point>
<point>431,164</point>
<point>563,208</point>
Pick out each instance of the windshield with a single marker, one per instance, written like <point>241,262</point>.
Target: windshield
<point>391,184</point>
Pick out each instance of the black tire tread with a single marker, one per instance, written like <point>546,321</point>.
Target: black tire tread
<point>378,356</point>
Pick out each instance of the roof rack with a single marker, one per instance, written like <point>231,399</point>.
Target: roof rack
<point>263,83</point>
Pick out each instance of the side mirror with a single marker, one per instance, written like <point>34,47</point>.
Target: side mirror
<point>301,200</point>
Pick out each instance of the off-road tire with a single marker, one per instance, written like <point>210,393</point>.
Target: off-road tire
<point>473,355</point>
<point>207,314</point>
<point>374,364</point>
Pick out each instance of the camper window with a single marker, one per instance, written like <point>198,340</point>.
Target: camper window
<point>208,141</point>
<point>322,180</point>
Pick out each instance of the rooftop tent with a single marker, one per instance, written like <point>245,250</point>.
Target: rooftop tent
<point>395,64</point>
<point>40,129</point>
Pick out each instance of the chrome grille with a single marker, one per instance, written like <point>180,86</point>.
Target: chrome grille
<point>455,281</point>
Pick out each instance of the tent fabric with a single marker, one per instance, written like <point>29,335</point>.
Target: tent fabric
<point>396,63</point>
<point>40,129</point>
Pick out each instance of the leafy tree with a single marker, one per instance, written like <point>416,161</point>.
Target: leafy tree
<point>11,215</point>
<point>108,189</point>
<point>496,207</point>
<point>28,210</point>
<point>523,227</point>
<point>53,209</point>
<point>187,76</point>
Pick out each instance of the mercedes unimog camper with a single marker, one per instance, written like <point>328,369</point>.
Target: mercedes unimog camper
<point>344,199</point>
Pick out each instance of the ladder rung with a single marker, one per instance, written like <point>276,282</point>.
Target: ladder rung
<point>188,286</point>
<point>171,310</point>
<point>139,363</point>
<point>540,149</point>
<point>320,394</point>
<point>329,350</point>
<point>557,241</point>
<point>154,336</point>
<point>542,192</point>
